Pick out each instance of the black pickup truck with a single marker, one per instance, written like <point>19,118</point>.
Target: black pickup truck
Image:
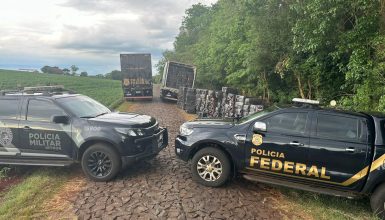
<point>41,127</point>
<point>305,147</point>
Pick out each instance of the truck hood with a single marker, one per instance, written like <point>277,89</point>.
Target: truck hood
<point>126,119</point>
<point>223,124</point>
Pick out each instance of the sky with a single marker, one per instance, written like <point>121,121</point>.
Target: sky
<point>87,33</point>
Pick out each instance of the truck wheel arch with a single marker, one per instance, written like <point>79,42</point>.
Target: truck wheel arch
<point>205,144</point>
<point>89,143</point>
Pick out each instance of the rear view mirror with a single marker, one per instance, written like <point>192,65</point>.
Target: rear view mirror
<point>259,127</point>
<point>60,119</point>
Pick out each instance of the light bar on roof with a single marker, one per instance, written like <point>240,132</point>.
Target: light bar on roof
<point>306,101</point>
<point>43,88</point>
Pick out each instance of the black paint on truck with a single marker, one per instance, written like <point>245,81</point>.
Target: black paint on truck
<point>137,76</point>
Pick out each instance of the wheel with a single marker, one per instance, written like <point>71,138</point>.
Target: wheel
<point>211,167</point>
<point>377,201</point>
<point>101,162</point>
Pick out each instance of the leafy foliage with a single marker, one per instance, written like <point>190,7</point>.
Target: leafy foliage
<point>280,49</point>
<point>115,75</point>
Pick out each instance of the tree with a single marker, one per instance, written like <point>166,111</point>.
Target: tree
<point>115,75</point>
<point>74,69</point>
<point>280,49</point>
<point>44,69</point>
<point>66,71</point>
<point>84,74</point>
<point>52,70</point>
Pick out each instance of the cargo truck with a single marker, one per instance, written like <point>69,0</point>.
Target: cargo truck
<point>176,75</point>
<point>136,76</point>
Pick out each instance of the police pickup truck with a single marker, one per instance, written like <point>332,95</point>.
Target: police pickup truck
<point>305,147</point>
<point>48,127</point>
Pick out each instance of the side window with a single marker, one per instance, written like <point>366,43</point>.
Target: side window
<point>42,111</point>
<point>339,127</point>
<point>287,123</point>
<point>9,108</point>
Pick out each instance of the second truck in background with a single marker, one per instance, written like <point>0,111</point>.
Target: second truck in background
<point>176,75</point>
<point>137,76</point>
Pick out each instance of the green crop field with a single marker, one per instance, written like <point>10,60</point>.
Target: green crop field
<point>108,92</point>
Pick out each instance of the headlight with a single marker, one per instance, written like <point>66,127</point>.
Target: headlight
<point>185,131</point>
<point>130,131</point>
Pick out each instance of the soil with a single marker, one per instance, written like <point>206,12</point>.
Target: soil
<point>8,182</point>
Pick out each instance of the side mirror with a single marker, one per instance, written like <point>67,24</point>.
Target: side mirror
<point>259,127</point>
<point>60,119</point>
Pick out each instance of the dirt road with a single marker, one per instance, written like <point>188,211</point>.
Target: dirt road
<point>163,188</point>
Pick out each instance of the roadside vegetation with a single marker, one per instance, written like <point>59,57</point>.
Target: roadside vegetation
<point>325,207</point>
<point>25,199</point>
<point>278,50</point>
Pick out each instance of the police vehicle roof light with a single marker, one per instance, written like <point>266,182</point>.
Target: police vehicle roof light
<point>306,101</point>
<point>44,88</point>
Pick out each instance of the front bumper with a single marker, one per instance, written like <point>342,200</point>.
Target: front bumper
<point>182,148</point>
<point>138,97</point>
<point>153,145</point>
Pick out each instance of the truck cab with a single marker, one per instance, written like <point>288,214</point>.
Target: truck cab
<point>306,147</point>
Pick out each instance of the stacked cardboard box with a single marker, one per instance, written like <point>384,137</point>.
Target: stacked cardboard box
<point>216,104</point>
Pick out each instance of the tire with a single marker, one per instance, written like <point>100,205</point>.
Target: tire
<point>107,168</point>
<point>209,175</point>
<point>377,201</point>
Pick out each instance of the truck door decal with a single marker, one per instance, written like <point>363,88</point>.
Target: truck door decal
<point>6,137</point>
<point>271,165</point>
<point>7,148</point>
<point>257,139</point>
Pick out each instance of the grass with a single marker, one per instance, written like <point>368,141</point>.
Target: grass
<point>25,199</point>
<point>124,107</point>
<point>108,92</point>
<point>325,207</point>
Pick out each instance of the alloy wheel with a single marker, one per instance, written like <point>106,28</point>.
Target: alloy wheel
<point>99,164</point>
<point>209,168</point>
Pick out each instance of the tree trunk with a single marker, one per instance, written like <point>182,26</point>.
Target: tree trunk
<point>265,86</point>
<point>309,95</point>
<point>302,94</point>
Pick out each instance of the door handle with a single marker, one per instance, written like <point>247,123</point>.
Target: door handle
<point>27,128</point>
<point>350,150</point>
<point>296,143</point>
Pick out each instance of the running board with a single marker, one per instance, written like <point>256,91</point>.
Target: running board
<point>29,162</point>
<point>300,186</point>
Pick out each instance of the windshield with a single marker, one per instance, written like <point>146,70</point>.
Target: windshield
<point>83,106</point>
<point>256,115</point>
